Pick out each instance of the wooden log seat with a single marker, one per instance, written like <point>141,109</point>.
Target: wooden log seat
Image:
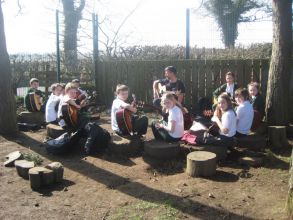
<point>201,163</point>
<point>22,167</point>
<point>54,131</point>
<point>130,145</point>
<point>161,150</point>
<point>32,118</point>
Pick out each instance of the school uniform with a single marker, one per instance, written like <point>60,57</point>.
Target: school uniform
<point>258,104</point>
<point>140,124</point>
<point>51,109</point>
<point>175,114</point>
<point>245,115</point>
<point>63,101</point>
<point>229,89</point>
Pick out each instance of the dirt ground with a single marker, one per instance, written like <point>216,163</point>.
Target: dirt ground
<point>119,187</point>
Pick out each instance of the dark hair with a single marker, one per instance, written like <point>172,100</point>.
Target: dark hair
<point>242,92</point>
<point>230,74</point>
<point>171,69</point>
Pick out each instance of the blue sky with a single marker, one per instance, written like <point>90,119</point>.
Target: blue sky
<point>154,22</point>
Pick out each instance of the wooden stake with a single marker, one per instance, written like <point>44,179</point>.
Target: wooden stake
<point>201,163</point>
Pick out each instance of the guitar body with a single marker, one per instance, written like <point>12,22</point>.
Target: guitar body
<point>70,115</point>
<point>124,121</point>
<point>35,102</point>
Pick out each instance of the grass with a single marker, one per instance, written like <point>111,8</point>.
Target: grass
<point>146,210</point>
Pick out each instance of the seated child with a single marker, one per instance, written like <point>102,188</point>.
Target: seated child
<point>225,118</point>
<point>76,82</point>
<point>256,99</point>
<point>140,124</point>
<point>34,85</point>
<point>67,99</point>
<point>53,101</point>
<point>244,112</point>
<point>173,130</point>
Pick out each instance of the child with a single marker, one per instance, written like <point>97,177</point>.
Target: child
<point>173,130</point>
<point>76,82</point>
<point>67,99</point>
<point>34,85</point>
<point>140,124</point>
<point>229,88</point>
<point>225,118</point>
<point>244,112</point>
<point>53,101</point>
<point>256,98</point>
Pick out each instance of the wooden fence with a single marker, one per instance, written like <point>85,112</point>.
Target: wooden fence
<point>201,77</point>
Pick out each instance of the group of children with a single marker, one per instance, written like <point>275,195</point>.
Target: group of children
<point>234,111</point>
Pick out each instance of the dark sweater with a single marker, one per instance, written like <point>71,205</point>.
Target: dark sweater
<point>258,104</point>
<point>222,89</point>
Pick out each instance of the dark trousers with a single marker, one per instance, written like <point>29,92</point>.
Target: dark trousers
<point>157,102</point>
<point>162,134</point>
<point>140,124</point>
<point>238,134</point>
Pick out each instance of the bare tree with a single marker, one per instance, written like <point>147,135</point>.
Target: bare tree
<point>7,100</point>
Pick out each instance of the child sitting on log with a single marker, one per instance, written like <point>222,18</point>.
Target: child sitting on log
<point>244,112</point>
<point>173,130</point>
<point>225,118</point>
<point>256,99</point>
<point>53,103</point>
<point>34,99</point>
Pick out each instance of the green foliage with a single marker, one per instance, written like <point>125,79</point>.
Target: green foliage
<point>33,157</point>
<point>19,100</point>
<point>229,13</point>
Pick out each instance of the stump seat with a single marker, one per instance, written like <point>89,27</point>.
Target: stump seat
<point>130,145</point>
<point>58,171</point>
<point>40,176</point>
<point>220,151</point>
<point>252,142</point>
<point>12,157</point>
<point>22,167</point>
<point>32,118</point>
<point>161,150</point>
<point>201,163</point>
<point>54,131</point>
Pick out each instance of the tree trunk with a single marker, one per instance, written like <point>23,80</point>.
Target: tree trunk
<point>277,99</point>
<point>72,17</point>
<point>7,100</point>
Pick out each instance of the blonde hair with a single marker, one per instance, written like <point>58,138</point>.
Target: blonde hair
<point>170,96</point>
<point>121,87</point>
<point>69,86</point>
<point>54,86</point>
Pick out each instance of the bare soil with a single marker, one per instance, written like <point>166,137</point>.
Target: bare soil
<point>111,186</point>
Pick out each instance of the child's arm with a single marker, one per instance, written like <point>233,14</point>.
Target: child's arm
<point>170,127</point>
<point>220,125</point>
<point>128,106</point>
<point>72,102</point>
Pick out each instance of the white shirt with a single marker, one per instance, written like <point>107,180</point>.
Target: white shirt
<point>63,101</point>
<point>245,115</point>
<point>51,113</point>
<point>229,121</point>
<point>117,104</point>
<point>230,89</point>
<point>175,114</point>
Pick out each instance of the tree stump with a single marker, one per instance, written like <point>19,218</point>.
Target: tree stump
<point>54,131</point>
<point>40,176</point>
<point>22,167</point>
<point>220,151</point>
<point>252,142</point>
<point>32,117</point>
<point>277,136</point>
<point>58,171</point>
<point>251,161</point>
<point>201,163</point>
<point>161,150</point>
<point>13,156</point>
<point>130,145</point>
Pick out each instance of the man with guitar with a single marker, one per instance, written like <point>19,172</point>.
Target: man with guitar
<point>170,84</point>
<point>122,119</point>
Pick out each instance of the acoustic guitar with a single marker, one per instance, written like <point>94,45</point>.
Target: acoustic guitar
<point>124,119</point>
<point>70,115</point>
<point>35,102</point>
